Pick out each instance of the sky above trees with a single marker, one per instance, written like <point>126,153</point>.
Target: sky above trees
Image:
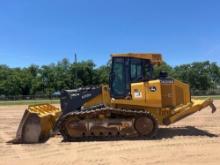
<point>45,31</point>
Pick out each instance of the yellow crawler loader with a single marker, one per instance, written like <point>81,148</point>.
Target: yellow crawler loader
<point>132,105</point>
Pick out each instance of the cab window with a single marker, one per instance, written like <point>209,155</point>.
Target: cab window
<point>140,70</point>
<point>136,71</point>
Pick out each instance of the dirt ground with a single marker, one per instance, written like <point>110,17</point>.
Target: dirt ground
<point>194,140</point>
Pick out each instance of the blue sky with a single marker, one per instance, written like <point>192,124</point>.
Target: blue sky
<point>45,31</point>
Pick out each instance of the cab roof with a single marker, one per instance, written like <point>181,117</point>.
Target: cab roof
<point>155,58</point>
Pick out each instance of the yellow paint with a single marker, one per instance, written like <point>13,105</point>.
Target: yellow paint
<point>153,98</point>
<point>47,115</point>
<point>153,57</point>
<point>163,102</point>
<point>138,93</point>
<point>103,98</point>
<point>94,101</point>
<point>190,108</point>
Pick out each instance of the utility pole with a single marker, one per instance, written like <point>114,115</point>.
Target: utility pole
<point>75,58</point>
<point>75,70</point>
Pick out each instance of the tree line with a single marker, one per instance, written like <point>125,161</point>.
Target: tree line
<point>47,79</point>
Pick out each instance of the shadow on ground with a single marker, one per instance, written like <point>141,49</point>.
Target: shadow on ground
<point>182,131</point>
<point>163,133</point>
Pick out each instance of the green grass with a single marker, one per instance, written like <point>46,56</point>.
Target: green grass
<point>29,102</point>
<point>215,97</point>
<point>41,101</point>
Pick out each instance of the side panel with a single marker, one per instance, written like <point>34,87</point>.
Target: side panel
<point>94,101</point>
<point>137,96</point>
<point>153,94</point>
<point>182,92</point>
<point>106,95</point>
<point>174,93</point>
<point>102,98</point>
<point>72,100</point>
<point>167,93</point>
<point>138,93</point>
<point>145,94</point>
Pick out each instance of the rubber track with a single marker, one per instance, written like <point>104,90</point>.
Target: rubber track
<point>92,112</point>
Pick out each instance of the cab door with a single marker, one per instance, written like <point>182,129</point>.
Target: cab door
<point>119,78</point>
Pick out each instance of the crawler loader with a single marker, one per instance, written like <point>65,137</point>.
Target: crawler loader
<point>132,105</point>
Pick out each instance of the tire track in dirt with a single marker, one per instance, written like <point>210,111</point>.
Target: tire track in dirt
<point>194,140</point>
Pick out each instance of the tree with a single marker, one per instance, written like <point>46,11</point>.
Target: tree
<point>103,74</point>
<point>48,79</point>
<point>200,75</point>
<point>163,67</point>
<point>83,73</point>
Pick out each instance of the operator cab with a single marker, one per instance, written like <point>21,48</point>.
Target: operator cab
<point>130,68</point>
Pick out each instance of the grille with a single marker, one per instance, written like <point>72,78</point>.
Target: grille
<point>167,95</point>
<point>179,95</point>
<point>172,95</point>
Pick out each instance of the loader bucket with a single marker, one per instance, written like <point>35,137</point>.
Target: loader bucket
<point>37,123</point>
<point>188,109</point>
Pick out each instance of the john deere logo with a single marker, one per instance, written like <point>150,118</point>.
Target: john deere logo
<point>152,88</point>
